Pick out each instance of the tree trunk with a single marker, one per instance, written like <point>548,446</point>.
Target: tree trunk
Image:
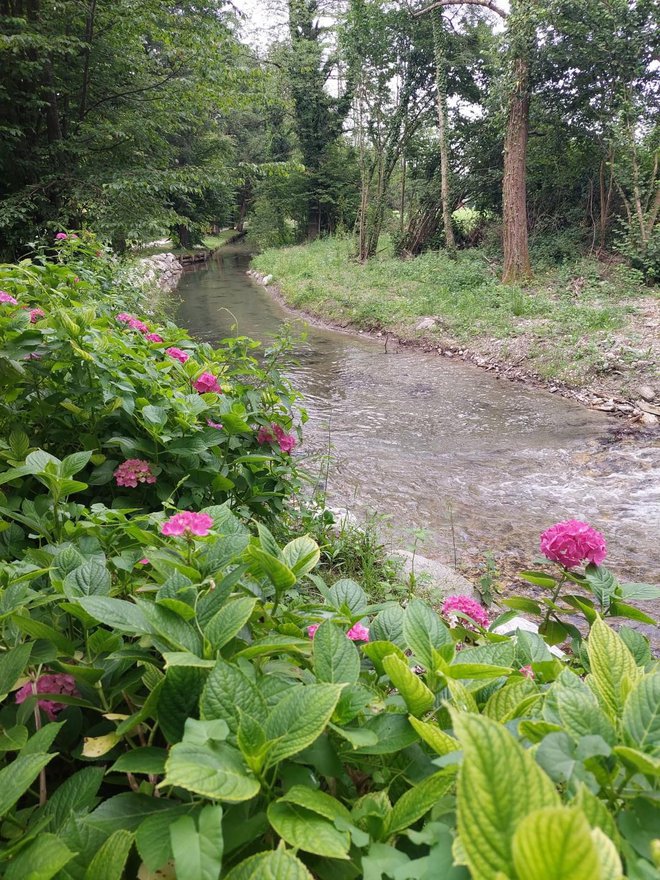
<point>514,191</point>
<point>184,235</point>
<point>441,86</point>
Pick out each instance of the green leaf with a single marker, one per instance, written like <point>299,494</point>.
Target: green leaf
<point>75,795</point>
<point>277,865</point>
<point>347,596</point>
<point>178,699</point>
<point>155,415</point>
<point>148,759</point>
<point>125,811</point>
<point>110,860</point>
<point>116,614</point>
<point>40,630</point>
<point>596,812</point>
<point>336,658</point>
<point>298,719</point>
<point>499,783</point>
<point>89,579</point>
<point>185,658</point>
<point>279,574</point>
<point>74,463</point>
<point>417,801</point>
<point>387,626</point>
<point>504,703</point>
<point>424,631</point>
<point>539,578</point>
<point>301,555</point>
<point>307,830</point>
<point>152,837</point>
<point>522,604</point>
<point>394,734</point>
<point>476,671</point>
<point>17,777</point>
<point>641,716</point>
<point>228,622</point>
<point>622,609</point>
<point>638,761</point>
<point>376,651</point>
<point>198,847</point>
<point>601,582</point>
<point>212,769</point>
<point>418,698</point>
<point>641,592</point>
<point>356,736</point>
<point>40,860</point>
<point>12,666</point>
<point>441,743</point>
<point>228,692</point>
<point>555,843</point>
<point>613,668</point>
<point>316,801</point>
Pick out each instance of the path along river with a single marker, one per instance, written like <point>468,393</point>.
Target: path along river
<point>441,445</point>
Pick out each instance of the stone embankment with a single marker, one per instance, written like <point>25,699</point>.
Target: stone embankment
<point>161,269</point>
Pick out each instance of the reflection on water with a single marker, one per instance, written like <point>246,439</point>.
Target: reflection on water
<point>442,445</point>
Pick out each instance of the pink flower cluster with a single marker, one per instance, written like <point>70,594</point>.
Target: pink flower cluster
<point>136,324</point>
<point>187,524</point>
<point>207,382</point>
<point>213,424</point>
<point>7,298</point>
<point>177,354</point>
<point>61,236</point>
<point>56,683</point>
<point>35,314</point>
<point>357,633</point>
<point>276,434</point>
<point>134,471</point>
<point>573,542</point>
<point>465,605</point>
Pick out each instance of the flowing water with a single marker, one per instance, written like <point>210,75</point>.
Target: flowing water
<point>441,445</point>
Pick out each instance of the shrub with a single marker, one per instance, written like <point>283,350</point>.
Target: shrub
<point>87,377</point>
<point>191,695</point>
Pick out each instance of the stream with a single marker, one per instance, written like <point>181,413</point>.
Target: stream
<point>440,445</point>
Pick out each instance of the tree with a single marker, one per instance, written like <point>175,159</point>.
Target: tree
<point>520,32</point>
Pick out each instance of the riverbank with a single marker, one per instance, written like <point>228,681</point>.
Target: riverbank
<point>589,331</point>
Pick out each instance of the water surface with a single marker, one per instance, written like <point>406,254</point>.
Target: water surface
<point>441,445</point>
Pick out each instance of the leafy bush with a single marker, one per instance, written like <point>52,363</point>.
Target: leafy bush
<point>189,722</point>
<point>79,374</point>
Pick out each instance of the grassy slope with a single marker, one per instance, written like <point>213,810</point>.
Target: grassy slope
<point>577,324</point>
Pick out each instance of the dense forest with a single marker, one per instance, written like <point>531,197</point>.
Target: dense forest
<point>444,124</point>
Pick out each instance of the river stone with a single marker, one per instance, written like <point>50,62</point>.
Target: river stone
<point>426,324</point>
<point>646,392</point>
<point>648,420</point>
<point>437,580</point>
<point>267,280</point>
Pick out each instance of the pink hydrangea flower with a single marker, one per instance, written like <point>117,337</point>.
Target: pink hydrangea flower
<point>144,561</point>
<point>213,424</point>
<point>358,633</point>
<point>276,434</point>
<point>154,337</point>
<point>572,542</point>
<point>207,382</point>
<point>465,605</point>
<point>136,324</point>
<point>311,629</point>
<point>134,471</point>
<point>35,314</point>
<point>124,318</point>
<point>177,354</point>
<point>187,524</point>
<point>56,683</point>
<point>527,671</point>
<point>7,298</point>
<point>61,236</point>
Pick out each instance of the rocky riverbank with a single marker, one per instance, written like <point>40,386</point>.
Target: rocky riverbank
<point>164,270</point>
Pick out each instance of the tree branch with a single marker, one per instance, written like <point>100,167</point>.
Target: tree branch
<point>438,4</point>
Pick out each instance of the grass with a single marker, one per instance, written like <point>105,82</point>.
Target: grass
<point>558,324</point>
<point>209,242</point>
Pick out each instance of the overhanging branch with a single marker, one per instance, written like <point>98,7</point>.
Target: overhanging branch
<point>439,4</point>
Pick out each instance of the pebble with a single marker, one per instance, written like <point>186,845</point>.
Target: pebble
<point>648,420</point>
<point>646,392</point>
